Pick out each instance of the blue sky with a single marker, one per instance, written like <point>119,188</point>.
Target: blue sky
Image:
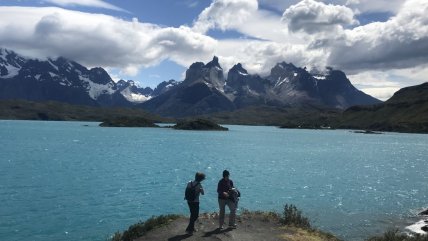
<point>382,45</point>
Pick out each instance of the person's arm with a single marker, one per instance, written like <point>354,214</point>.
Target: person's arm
<point>202,190</point>
<point>220,190</point>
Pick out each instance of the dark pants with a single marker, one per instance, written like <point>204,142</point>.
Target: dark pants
<point>194,213</point>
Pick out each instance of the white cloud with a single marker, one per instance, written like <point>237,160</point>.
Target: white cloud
<point>374,6</point>
<point>279,5</point>
<point>359,6</point>
<point>225,14</point>
<point>401,42</point>
<point>383,84</point>
<point>311,16</point>
<point>86,3</point>
<point>99,40</point>
<point>375,83</point>
<point>382,93</point>
<point>260,56</point>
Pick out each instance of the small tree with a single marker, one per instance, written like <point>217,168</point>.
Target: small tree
<point>293,216</point>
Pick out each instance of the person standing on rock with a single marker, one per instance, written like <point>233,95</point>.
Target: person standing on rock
<point>223,188</point>
<point>193,190</point>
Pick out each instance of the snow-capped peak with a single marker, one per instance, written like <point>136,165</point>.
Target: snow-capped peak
<point>10,63</point>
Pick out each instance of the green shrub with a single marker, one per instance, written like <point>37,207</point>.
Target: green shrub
<point>141,228</point>
<point>293,216</point>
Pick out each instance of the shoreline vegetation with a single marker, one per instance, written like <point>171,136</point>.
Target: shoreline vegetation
<point>290,118</point>
<point>289,225</point>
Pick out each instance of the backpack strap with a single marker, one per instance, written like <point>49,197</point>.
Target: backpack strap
<point>193,186</point>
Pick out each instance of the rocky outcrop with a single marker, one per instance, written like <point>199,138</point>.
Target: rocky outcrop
<point>424,212</point>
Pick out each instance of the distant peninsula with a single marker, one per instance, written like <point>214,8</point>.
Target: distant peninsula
<point>200,125</point>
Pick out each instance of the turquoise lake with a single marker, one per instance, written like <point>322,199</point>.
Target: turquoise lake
<point>76,181</point>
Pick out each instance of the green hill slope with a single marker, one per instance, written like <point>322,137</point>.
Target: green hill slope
<point>406,111</point>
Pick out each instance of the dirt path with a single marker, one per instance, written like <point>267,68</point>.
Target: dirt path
<point>251,227</point>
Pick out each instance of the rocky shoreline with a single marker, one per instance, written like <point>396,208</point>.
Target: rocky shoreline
<point>420,227</point>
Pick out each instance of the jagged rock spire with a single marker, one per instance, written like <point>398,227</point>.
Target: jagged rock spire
<point>213,63</point>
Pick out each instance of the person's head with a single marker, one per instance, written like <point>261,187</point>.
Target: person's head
<point>226,174</point>
<point>199,176</point>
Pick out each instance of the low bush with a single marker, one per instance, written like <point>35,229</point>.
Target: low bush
<point>141,228</point>
<point>293,216</point>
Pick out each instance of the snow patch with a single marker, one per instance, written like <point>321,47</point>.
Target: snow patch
<point>52,74</point>
<point>134,97</point>
<point>3,54</point>
<point>242,73</point>
<point>295,74</point>
<point>319,77</point>
<point>285,80</point>
<point>37,76</point>
<point>95,90</point>
<point>12,71</point>
<point>53,65</point>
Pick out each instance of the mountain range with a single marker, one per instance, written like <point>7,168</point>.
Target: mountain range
<point>204,90</point>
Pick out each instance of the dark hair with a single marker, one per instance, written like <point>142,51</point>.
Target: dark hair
<point>226,173</point>
<point>199,176</point>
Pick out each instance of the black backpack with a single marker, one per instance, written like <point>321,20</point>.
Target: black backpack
<point>190,193</point>
<point>234,195</point>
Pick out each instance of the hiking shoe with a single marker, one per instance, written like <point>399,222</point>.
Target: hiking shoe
<point>220,227</point>
<point>233,226</point>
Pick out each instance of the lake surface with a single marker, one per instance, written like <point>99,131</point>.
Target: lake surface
<point>77,181</point>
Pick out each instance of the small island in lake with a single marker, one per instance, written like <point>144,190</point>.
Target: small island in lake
<point>128,122</point>
<point>367,132</point>
<point>199,124</point>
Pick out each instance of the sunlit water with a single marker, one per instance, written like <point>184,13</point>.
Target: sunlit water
<point>77,181</point>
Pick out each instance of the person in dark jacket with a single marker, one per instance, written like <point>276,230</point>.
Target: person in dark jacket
<point>194,204</point>
<point>225,185</point>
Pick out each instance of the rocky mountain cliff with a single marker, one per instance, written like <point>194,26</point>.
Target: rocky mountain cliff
<point>206,90</point>
<point>200,92</point>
